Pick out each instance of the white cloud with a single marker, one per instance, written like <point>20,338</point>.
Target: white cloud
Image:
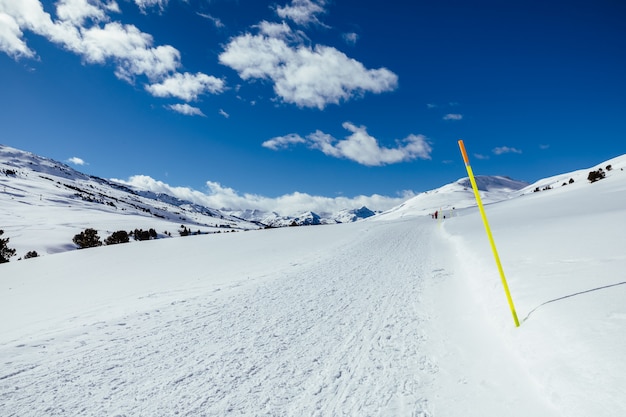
<point>359,146</point>
<point>76,161</point>
<point>223,113</point>
<point>544,146</point>
<point>283,142</point>
<point>185,109</point>
<point>83,27</point>
<point>77,11</point>
<point>453,116</point>
<point>481,156</point>
<point>146,4</point>
<point>302,12</point>
<point>130,49</point>
<point>29,15</point>
<point>505,149</point>
<point>218,196</point>
<point>217,22</point>
<point>350,38</point>
<point>303,75</point>
<point>11,38</point>
<point>186,86</point>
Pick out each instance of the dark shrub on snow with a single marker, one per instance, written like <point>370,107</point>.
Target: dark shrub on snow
<point>121,236</point>
<point>87,239</point>
<point>5,251</point>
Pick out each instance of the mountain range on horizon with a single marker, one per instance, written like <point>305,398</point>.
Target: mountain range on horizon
<point>46,202</point>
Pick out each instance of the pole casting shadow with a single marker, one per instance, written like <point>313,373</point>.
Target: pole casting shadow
<point>571,295</point>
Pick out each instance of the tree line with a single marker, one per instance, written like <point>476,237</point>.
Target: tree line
<point>89,238</point>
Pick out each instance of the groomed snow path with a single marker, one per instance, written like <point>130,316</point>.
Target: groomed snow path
<point>358,327</point>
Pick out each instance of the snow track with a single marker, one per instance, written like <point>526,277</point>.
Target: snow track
<point>352,320</point>
<point>323,338</point>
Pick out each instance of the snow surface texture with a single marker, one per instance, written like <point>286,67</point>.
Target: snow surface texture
<point>397,315</point>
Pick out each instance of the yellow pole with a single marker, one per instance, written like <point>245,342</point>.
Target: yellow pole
<point>486,223</point>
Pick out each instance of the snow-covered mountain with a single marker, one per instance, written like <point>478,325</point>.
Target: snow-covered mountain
<point>62,202</point>
<point>456,195</point>
<point>44,203</point>
<point>395,315</point>
<point>51,186</point>
<point>273,219</point>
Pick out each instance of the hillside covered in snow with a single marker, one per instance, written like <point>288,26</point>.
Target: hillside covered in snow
<point>44,203</point>
<point>395,315</point>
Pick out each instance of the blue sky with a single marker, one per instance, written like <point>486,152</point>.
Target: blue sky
<point>310,101</point>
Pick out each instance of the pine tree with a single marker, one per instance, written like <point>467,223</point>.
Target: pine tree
<point>121,236</point>
<point>5,251</point>
<point>87,239</point>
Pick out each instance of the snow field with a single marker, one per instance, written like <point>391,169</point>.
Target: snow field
<point>398,316</point>
<point>562,251</point>
<point>337,325</point>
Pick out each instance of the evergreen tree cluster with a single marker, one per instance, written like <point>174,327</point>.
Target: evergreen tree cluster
<point>596,175</point>
<point>5,251</point>
<point>89,237</point>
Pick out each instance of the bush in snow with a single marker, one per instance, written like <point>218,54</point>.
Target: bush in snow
<point>121,236</point>
<point>596,175</point>
<point>141,234</point>
<point>5,251</point>
<point>87,239</point>
<point>31,254</point>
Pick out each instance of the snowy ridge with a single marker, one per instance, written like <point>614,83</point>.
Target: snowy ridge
<point>457,195</point>
<point>44,203</point>
<point>53,187</point>
<point>308,218</point>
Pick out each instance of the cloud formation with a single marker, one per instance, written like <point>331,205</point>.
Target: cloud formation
<point>185,109</point>
<point>303,75</point>
<point>186,86</point>
<point>76,161</point>
<point>146,4</point>
<point>302,12</point>
<point>359,146</point>
<point>217,22</point>
<point>220,197</point>
<point>84,28</point>
<point>283,142</point>
<point>350,38</point>
<point>453,116</point>
<point>505,149</point>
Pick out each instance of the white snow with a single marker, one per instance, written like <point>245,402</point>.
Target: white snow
<point>397,315</point>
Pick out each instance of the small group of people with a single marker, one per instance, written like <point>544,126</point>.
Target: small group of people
<point>436,214</point>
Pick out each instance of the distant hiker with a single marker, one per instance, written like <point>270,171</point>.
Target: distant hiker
<point>436,214</point>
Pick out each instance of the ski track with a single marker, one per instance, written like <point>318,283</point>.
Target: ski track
<point>325,338</point>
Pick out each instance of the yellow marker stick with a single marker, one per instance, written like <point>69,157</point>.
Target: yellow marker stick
<point>486,223</point>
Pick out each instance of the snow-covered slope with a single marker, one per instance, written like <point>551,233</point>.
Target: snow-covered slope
<point>457,195</point>
<point>62,202</point>
<point>397,315</point>
<point>44,203</point>
<point>273,219</point>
